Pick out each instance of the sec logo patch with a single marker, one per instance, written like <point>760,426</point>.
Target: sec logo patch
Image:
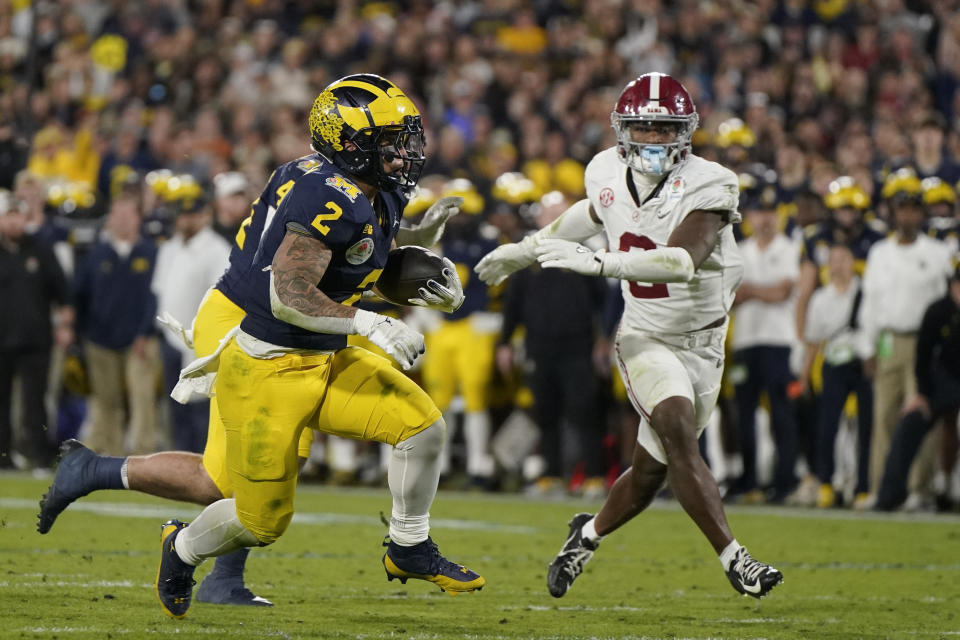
<point>606,196</point>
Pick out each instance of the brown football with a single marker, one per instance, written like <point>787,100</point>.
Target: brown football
<point>408,269</point>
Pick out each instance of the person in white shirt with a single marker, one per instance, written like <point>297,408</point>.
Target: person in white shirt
<point>187,266</point>
<point>832,326</point>
<point>763,336</point>
<point>905,273</point>
<point>667,216</point>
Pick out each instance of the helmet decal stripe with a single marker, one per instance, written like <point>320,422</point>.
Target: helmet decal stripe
<point>655,86</point>
<point>366,111</point>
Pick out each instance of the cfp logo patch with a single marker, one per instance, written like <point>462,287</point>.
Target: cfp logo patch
<point>347,188</point>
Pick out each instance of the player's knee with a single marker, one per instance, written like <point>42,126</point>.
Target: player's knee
<point>674,423</point>
<point>428,442</point>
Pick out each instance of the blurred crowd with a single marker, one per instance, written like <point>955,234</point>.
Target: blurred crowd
<point>134,134</point>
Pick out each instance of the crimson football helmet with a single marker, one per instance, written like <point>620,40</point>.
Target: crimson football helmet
<point>663,103</point>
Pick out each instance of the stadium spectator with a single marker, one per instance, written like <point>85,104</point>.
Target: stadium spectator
<point>13,151</point>
<point>832,327</point>
<point>34,287</point>
<point>115,316</point>
<point>936,400</point>
<point>763,336</point>
<point>126,156</point>
<point>63,155</point>
<point>188,264</point>
<point>31,193</point>
<point>929,156</point>
<point>904,274</point>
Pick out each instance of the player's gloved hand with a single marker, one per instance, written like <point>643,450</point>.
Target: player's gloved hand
<point>400,341</point>
<point>446,297</point>
<point>171,323</point>
<point>428,232</point>
<point>563,254</point>
<point>506,259</point>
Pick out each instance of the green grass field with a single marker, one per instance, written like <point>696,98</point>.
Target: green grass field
<point>846,575</point>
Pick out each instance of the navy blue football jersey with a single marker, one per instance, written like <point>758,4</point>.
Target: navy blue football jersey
<point>261,215</point>
<point>465,254</point>
<point>331,209</point>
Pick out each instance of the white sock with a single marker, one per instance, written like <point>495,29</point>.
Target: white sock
<point>413,475</point>
<point>589,531</point>
<point>215,532</point>
<point>729,553</point>
<point>476,434</point>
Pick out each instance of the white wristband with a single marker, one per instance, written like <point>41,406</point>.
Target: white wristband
<point>363,322</point>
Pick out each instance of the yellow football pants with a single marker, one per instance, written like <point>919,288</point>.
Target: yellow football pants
<point>216,316</point>
<point>266,405</point>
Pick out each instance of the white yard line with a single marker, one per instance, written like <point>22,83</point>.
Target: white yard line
<point>158,512</point>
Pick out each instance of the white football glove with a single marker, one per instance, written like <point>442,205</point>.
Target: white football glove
<point>428,232</point>
<point>400,341</point>
<point>171,323</point>
<point>563,254</point>
<point>437,296</point>
<point>506,259</point>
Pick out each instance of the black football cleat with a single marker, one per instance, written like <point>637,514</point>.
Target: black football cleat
<point>70,483</point>
<point>174,576</point>
<point>424,562</point>
<point>752,577</point>
<point>574,554</point>
<point>217,590</point>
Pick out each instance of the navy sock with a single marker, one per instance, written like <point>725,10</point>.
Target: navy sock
<point>231,565</point>
<point>105,472</point>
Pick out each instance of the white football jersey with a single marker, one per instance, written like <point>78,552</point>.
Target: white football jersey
<point>632,223</point>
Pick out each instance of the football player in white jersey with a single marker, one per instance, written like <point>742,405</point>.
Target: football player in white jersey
<point>667,215</point>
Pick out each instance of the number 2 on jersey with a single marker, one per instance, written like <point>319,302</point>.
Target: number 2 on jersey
<point>335,212</point>
<point>630,240</point>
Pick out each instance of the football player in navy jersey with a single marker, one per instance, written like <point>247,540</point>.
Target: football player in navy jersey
<point>288,366</point>
<point>188,476</point>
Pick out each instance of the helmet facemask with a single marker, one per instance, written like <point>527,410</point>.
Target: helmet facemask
<point>373,147</point>
<point>379,146</point>
<point>653,158</point>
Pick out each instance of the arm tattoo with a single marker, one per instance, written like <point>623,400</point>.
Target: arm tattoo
<point>298,266</point>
